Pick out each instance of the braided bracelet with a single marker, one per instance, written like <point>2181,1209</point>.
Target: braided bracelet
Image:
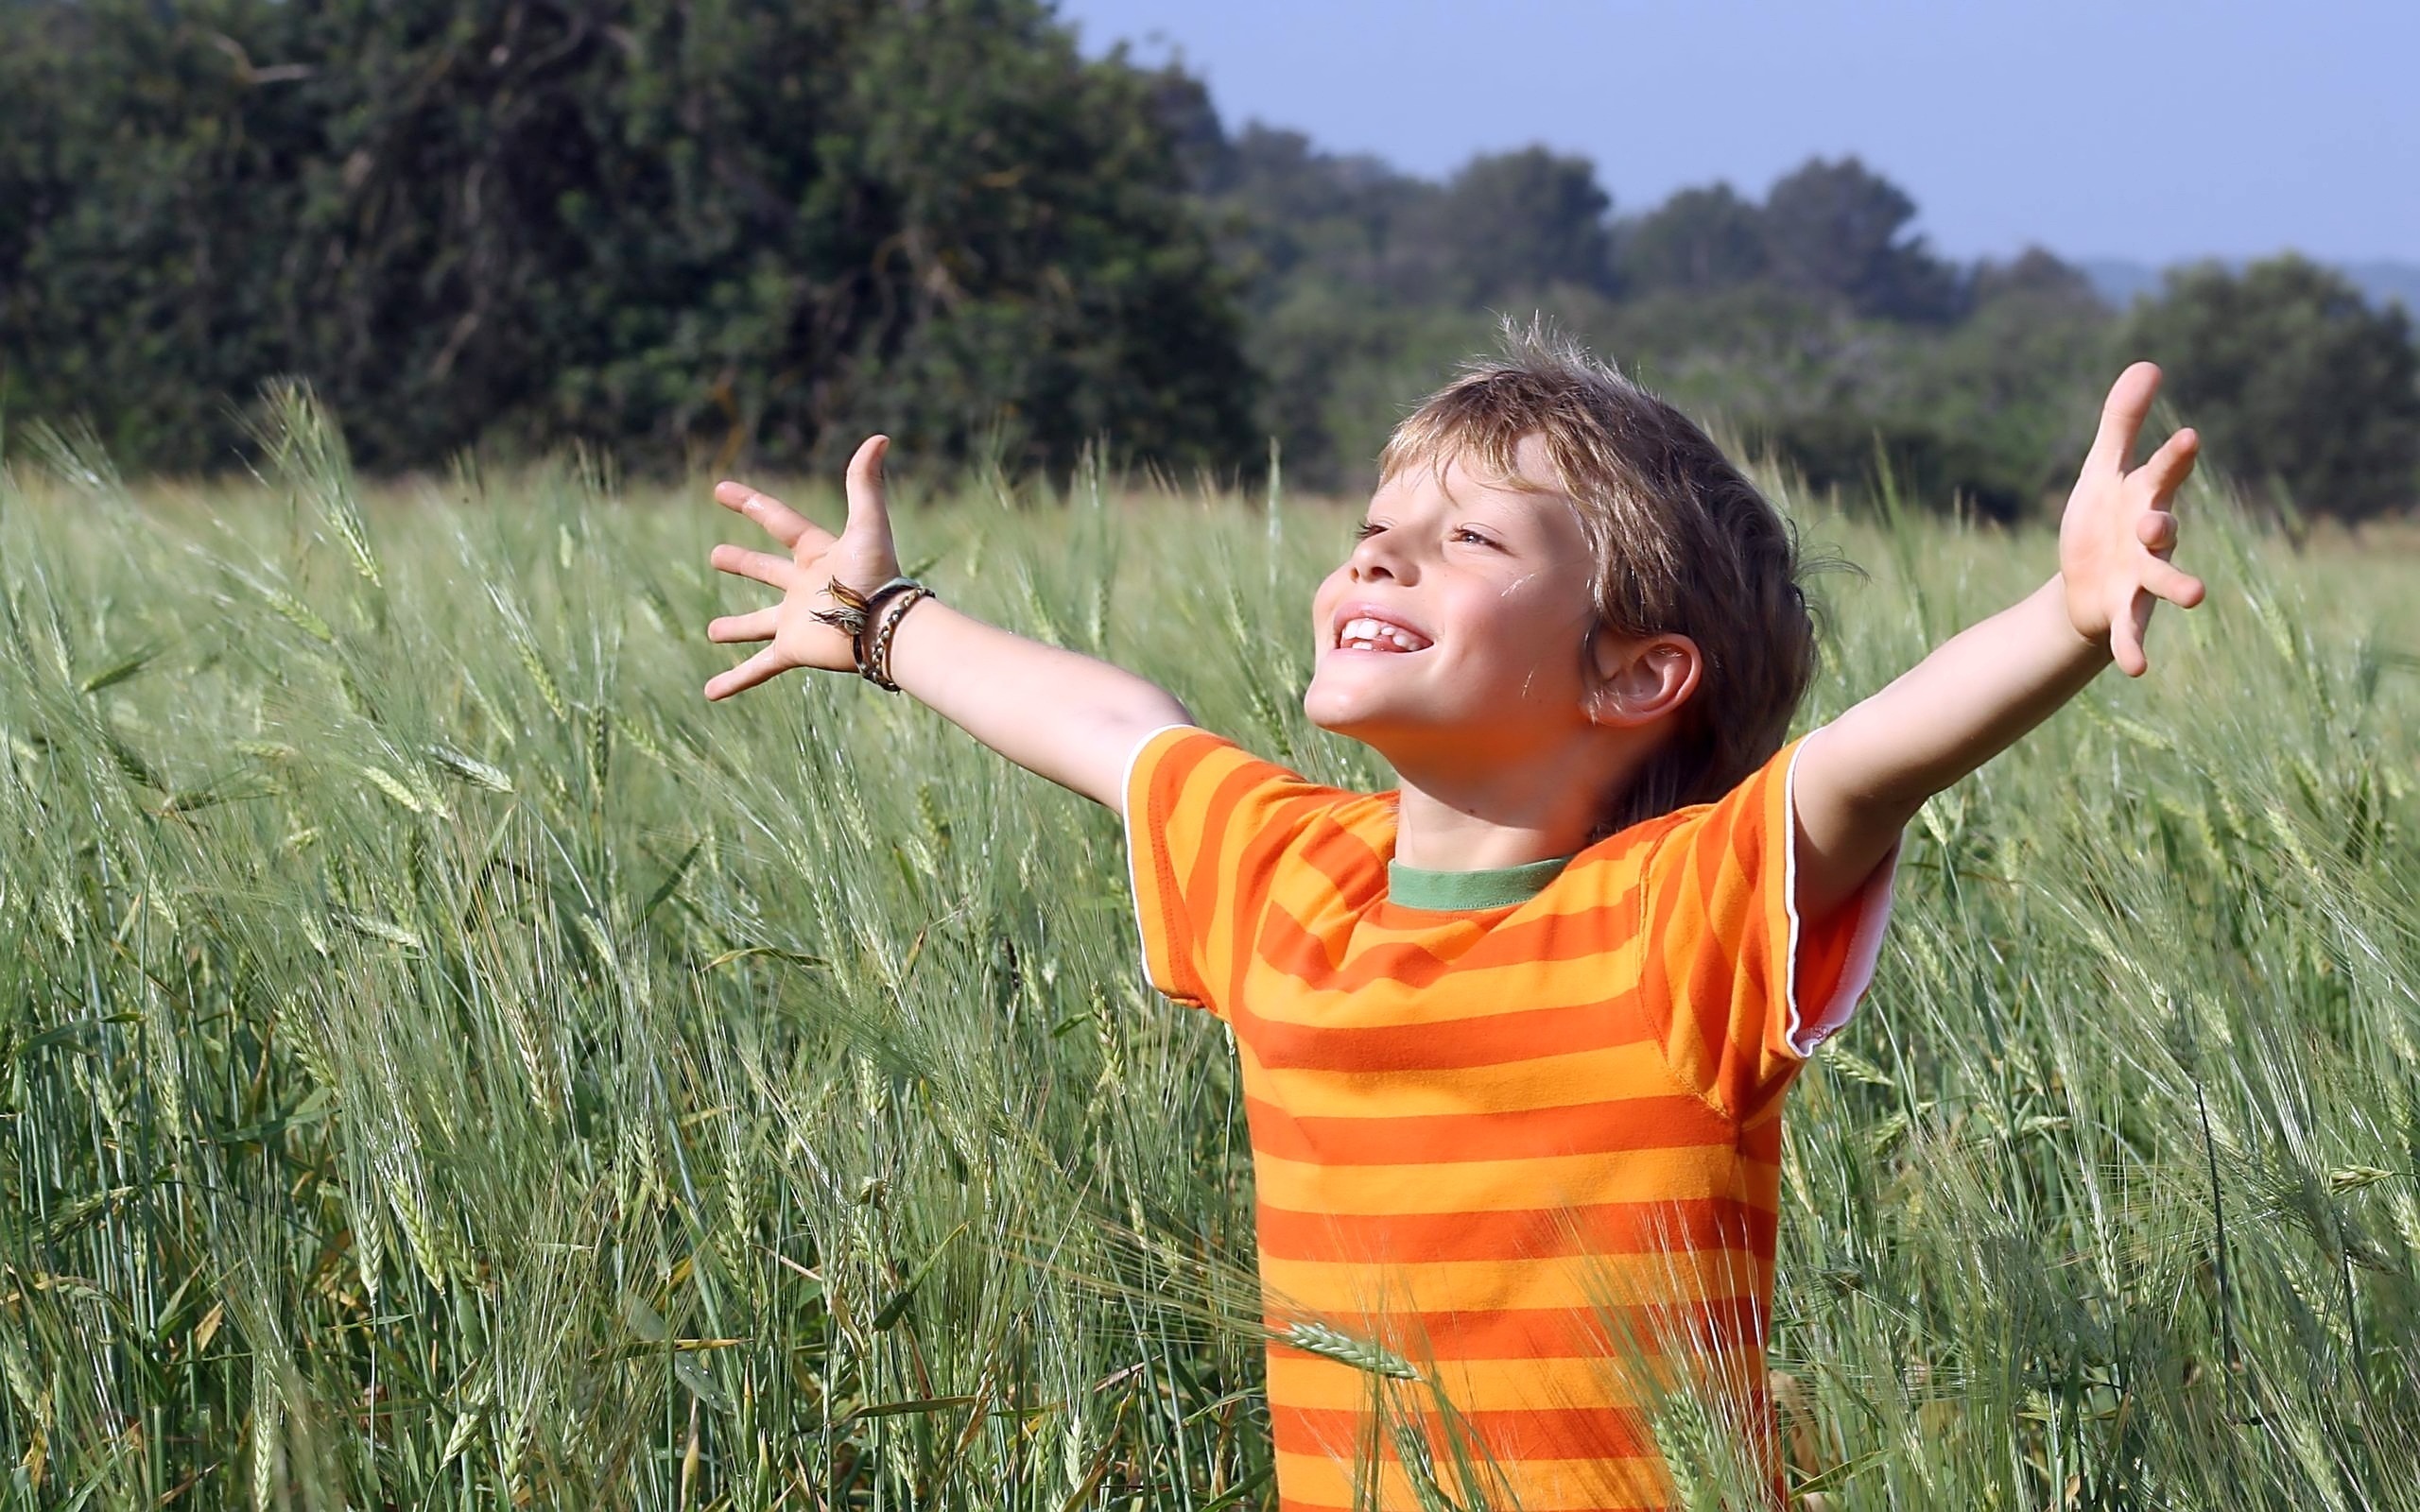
<point>856,611</point>
<point>890,608</point>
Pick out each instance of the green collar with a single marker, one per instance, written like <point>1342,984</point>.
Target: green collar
<point>1464,892</point>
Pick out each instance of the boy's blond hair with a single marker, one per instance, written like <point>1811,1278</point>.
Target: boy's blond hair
<point>1682,542</point>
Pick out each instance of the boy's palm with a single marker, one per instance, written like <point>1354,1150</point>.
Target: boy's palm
<point>2119,528</point>
<point>861,556</point>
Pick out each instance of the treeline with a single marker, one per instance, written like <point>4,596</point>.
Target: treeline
<point>678,229</point>
<point>1813,322</point>
<point>693,232</point>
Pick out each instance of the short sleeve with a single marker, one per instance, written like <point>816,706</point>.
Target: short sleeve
<point>1745,989</point>
<point>1207,827</point>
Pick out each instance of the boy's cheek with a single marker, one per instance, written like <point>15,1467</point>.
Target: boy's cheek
<point>1323,601</point>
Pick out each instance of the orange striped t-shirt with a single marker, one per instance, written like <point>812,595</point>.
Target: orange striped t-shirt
<point>1527,1151</point>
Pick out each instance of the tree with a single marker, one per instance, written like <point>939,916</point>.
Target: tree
<point>1514,222</point>
<point>2033,274</point>
<point>1698,240</point>
<point>2303,390</point>
<point>1835,228</point>
<point>2017,383</point>
<point>1334,272</point>
<point>671,227</point>
<point>151,169</point>
<point>1286,209</point>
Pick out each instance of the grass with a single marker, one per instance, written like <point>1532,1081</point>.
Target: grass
<point>448,1065</point>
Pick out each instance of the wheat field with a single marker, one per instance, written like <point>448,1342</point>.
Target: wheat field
<point>450,1065</point>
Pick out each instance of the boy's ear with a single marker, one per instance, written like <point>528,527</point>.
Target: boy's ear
<point>1639,681</point>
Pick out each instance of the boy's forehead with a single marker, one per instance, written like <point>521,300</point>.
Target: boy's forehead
<point>1459,476</point>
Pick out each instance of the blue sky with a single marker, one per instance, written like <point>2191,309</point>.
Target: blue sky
<point>2152,130</point>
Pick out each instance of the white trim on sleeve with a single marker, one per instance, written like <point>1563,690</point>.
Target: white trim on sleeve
<point>1135,843</point>
<point>1873,905</point>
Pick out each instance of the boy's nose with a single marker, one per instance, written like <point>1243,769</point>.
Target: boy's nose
<point>1372,559</point>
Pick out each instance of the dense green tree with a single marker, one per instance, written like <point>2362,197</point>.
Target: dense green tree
<point>1286,210</point>
<point>1344,364</point>
<point>667,226</point>
<point>1513,223</point>
<point>32,114</point>
<point>1343,281</point>
<point>1182,106</point>
<point>1698,240</point>
<point>2303,389</point>
<point>1836,229</point>
<point>153,173</point>
<point>2033,273</point>
<point>2014,390</point>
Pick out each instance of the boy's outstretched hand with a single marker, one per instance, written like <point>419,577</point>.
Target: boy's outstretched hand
<point>861,556</point>
<point>1066,716</point>
<point>2119,528</point>
<point>1864,774</point>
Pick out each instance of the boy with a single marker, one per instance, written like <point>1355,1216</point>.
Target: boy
<point>1514,1037</point>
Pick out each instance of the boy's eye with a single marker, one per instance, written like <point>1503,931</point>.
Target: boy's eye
<point>1474,538</point>
<point>1366,529</point>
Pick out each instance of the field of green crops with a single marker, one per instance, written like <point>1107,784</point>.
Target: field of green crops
<point>446,1064</point>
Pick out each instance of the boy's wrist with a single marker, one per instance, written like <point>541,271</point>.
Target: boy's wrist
<point>2088,643</point>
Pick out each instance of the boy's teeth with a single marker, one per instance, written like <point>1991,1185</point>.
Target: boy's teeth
<point>1370,634</point>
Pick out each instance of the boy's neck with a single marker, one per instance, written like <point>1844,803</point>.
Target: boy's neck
<point>1505,812</point>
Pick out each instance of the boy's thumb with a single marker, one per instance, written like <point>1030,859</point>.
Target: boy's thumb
<point>866,510</point>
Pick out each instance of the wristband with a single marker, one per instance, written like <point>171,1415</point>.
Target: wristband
<point>889,609</point>
<point>854,614</point>
<point>874,600</point>
<point>860,648</point>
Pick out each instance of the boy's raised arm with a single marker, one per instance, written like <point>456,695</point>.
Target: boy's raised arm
<point>1072,719</point>
<point>1865,775</point>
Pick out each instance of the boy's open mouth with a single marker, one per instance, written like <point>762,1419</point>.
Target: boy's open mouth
<point>1361,630</point>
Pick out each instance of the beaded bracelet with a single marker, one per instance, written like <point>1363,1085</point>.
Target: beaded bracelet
<point>890,608</point>
<point>855,610</point>
<point>878,602</point>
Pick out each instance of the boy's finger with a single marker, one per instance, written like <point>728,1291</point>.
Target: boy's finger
<point>2126,640</point>
<point>773,572</point>
<point>2121,418</point>
<point>2167,468</point>
<point>2172,583</point>
<point>762,665</point>
<point>867,510</point>
<point>2157,530</point>
<point>780,520</point>
<point>760,626</point>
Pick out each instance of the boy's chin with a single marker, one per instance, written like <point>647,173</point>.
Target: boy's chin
<point>1333,715</point>
<point>1354,719</point>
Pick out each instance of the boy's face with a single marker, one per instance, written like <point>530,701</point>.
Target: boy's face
<point>1457,630</point>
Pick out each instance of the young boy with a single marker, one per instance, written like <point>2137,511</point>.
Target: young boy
<point>1514,1036</point>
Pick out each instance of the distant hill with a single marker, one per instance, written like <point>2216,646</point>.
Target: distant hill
<point>2118,281</point>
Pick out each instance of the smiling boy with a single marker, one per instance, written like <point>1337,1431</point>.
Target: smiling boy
<point>1514,1035</point>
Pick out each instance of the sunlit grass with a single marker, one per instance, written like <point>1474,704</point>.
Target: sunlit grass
<point>448,1064</point>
